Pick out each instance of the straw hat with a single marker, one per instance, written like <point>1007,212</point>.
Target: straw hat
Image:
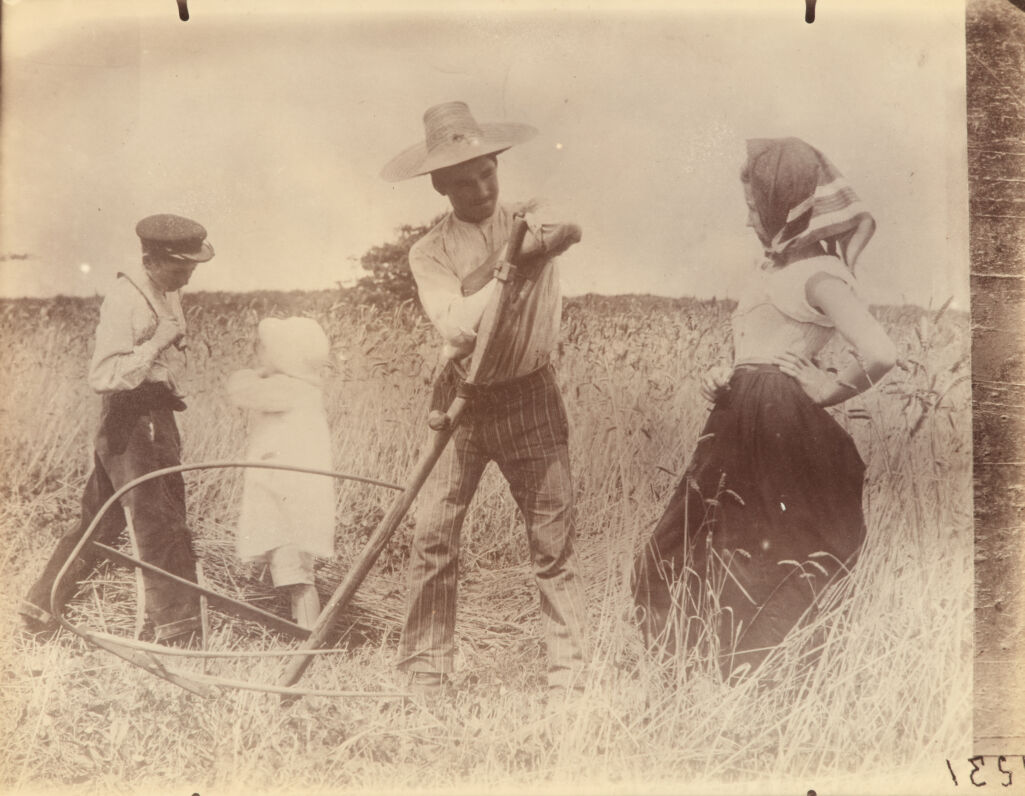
<point>453,136</point>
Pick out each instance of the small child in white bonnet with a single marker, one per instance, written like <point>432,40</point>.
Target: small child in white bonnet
<point>287,517</point>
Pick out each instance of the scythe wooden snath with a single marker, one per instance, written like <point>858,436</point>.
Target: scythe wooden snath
<point>515,284</point>
<point>497,316</point>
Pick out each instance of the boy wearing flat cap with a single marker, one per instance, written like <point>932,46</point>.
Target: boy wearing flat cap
<point>516,419</point>
<point>137,367</point>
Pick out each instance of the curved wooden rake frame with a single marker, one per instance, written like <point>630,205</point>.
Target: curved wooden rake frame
<point>143,654</point>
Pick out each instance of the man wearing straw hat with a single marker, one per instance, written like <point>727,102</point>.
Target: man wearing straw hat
<point>517,419</point>
<point>137,366</point>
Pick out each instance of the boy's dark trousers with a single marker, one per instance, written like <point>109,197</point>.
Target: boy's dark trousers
<point>137,435</point>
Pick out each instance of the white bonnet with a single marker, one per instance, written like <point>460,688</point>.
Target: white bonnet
<point>295,346</point>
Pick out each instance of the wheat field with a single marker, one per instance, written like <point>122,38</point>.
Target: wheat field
<point>888,699</point>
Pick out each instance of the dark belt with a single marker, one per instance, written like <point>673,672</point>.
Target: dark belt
<point>148,395</point>
<point>449,384</point>
<point>122,410</point>
<point>502,388</point>
<point>756,367</point>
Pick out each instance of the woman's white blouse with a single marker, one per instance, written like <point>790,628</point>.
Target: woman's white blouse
<point>773,315</point>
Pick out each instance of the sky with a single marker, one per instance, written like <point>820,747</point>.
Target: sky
<point>269,123</point>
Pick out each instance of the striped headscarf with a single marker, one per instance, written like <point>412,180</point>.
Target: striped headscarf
<point>800,196</point>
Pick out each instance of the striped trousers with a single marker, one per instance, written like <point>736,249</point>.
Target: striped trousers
<point>520,425</point>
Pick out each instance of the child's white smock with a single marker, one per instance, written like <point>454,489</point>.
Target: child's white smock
<point>287,425</point>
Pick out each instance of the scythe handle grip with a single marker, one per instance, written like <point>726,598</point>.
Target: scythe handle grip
<point>516,238</point>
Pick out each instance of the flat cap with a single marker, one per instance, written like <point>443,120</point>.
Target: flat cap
<point>174,235</point>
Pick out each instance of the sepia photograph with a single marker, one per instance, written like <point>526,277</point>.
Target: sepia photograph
<point>510,397</point>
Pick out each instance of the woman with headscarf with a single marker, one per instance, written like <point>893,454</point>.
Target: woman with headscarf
<point>769,511</point>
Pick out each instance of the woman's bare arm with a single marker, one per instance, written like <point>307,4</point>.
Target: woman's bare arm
<point>875,353</point>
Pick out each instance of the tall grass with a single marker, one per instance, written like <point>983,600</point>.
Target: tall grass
<point>889,695</point>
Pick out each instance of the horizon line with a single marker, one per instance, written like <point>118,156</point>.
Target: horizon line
<point>947,304</point>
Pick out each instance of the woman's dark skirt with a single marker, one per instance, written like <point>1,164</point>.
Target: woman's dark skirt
<point>766,516</point>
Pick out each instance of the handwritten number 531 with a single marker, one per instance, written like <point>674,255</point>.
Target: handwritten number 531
<point>978,777</point>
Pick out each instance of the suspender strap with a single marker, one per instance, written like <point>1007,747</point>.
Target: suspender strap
<point>180,345</point>
<point>142,293</point>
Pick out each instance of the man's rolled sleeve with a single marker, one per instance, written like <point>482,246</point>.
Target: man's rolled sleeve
<point>549,239</point>
<point>454,315</point>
